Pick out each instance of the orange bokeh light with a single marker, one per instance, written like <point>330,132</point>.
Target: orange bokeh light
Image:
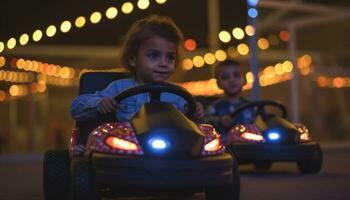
<point>322,81</point>
<point>338,82</point>
<point>190,45</point>
<point>284,35</point>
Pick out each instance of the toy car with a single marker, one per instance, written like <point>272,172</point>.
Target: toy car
<point>160,151</point>
<point>273,138</point>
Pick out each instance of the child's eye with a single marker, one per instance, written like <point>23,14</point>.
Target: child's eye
<point>224,77</point>
<point>237,75</point>
<point>153,55</point>
<point>171,57</point>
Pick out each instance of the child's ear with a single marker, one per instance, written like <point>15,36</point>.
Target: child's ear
<point>132,61</point>
<point>218,83</point>
<point>244,80</point>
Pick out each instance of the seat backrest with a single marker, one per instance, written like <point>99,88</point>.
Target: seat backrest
<point>91,82</point>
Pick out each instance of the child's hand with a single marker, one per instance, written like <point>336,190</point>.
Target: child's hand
<point>107,105</point>
<point>226,121</point>
<point>199,113</point>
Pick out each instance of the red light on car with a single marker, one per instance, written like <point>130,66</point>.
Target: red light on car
<point>121,144</point>
<point>213,145</point>
<point>252,136</point>
<point>212,142</point>
<point>304,132</point>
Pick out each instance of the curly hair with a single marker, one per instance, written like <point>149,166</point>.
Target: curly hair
<point>223,64</point>
<point>144,29</point>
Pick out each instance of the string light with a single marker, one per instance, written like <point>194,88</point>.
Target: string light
<point>95,17</point>
<point>24,39</point>
<point>111,13</point>
<point>79,22</point>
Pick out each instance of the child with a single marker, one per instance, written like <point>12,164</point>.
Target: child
<point>229,78</point>
<point>151,49</point>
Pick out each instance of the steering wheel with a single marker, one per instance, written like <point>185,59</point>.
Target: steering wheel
<point>260,105</point>
<point>155,89</point>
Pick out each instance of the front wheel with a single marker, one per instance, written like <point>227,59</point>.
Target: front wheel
<point>83,181</point>
<point>311,166</point>
<point>56,175</point>
<point>230,191</point>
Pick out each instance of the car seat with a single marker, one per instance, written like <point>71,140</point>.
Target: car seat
<point>91,82</point>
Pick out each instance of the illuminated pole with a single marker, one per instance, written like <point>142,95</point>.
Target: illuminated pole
<point>252,14</point>
<point>213,24</point>
<point>294,82</point>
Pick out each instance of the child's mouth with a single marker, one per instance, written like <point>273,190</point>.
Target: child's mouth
<point>160,73</point>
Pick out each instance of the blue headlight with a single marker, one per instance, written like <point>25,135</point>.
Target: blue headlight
<point>273,136</point>
<point>158,143</point>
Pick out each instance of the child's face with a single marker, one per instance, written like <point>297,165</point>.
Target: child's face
<point>155,60</point>
<point>231,80</point>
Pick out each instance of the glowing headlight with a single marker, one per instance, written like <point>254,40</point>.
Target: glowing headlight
<point>305,137</point>
<point>252,136</point>
<point>122,144</point>
<point>273,136</point>
<point>158,144</point>
<point>213,145</point>
<point>304,133</point>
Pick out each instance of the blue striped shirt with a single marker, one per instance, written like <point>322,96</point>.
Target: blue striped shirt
<point>84,107</point>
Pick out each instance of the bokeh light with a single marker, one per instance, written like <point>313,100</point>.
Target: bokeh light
<point>190,44</point>
<point>111,13</point>
<point>263,43</point>
<point>80,21</point>
<point>37,35</point>
<point>198,61</point>
<point>284,35</point>
<point>143,4</point>
<point>287,66</point>
<point>66,26</point>
<point>127,8</point>
<point>209,58</point>
<point>11,43</point>
<point>2,61</point>
<point>220,55</point>
<point>238,33</point>
<point>243,49</point>
<point>224,36</point>
<point>252,12</point>
<point>2,95</point>
<point>51,31</point>
<point>252,2</point>
<point>161,1</point>
<point>249,30</point>
<point>187,64</point>
<point>24,39</point>
<point>2,47</point>
<point>95,17</point>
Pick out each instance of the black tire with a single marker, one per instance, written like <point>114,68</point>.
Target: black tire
<point>230,191</point>
<point>83,181</point>
<point>313,165</point>
<point>56,175</point>
<point>262,165</point>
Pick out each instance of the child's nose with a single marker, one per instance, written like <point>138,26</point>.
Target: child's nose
<point>163,62</point>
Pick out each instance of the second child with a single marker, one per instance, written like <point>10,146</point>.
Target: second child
<point>230,79</point>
